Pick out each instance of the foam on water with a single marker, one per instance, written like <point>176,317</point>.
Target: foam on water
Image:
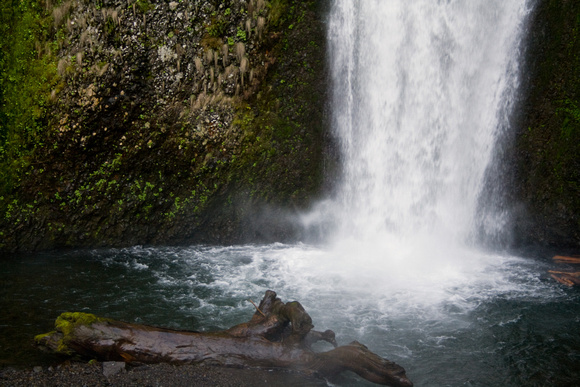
<point>205,280</point>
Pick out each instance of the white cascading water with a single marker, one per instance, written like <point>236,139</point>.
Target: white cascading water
<point>421,91</point>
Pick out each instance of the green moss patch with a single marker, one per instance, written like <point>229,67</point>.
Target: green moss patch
<point>65,326</point>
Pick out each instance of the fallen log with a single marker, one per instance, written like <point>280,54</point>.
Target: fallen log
<point>279,335</point>
<point>564,259</point>
<point>568,278</point>
<point>565,277</point>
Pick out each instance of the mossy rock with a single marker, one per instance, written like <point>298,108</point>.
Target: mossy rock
<point>175,141</point>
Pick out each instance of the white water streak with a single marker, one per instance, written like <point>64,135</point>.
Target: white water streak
<point>421,90</point>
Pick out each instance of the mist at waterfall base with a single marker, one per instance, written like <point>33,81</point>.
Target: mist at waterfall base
<point>422,92</point>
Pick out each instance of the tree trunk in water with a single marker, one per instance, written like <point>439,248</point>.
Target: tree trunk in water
<point>568,278</point>
<point>278,335</point>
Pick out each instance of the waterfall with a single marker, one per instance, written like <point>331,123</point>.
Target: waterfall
<point>421,91</point>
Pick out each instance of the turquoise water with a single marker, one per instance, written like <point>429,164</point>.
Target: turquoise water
<point>506,323</point>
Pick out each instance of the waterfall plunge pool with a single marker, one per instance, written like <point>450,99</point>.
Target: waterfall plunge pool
<point>497,320</point>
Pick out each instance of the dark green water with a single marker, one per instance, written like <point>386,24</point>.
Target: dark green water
<point>505,324</point>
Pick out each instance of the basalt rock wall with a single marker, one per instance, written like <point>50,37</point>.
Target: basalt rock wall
<point>546,150</point>
<point>168,122</point>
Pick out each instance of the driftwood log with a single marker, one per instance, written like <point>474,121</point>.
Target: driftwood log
<point>279,335</point>
<point>569,278</point>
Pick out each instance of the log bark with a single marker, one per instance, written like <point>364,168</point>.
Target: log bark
<point>568,278</point>
<point>279,335</point>
<point>564,259</point>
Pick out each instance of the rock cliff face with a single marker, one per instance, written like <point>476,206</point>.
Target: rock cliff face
<point>546,191</point>
<point>160,122</point>
<point>172,122</point>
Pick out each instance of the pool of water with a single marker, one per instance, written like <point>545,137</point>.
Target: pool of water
<point>494,320</point>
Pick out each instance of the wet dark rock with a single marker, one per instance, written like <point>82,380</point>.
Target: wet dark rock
<point>545,156</point>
